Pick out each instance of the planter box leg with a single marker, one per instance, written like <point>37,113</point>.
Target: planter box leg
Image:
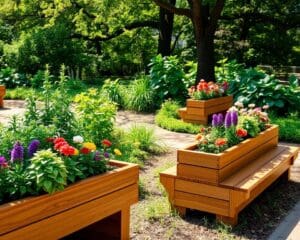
<point>1,102</point>
<point>125,222</point>
<point>180,210</point>
<point>227,220</point>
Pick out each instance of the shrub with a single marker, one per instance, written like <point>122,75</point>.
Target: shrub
<point>289,128</point>
<point>11,79</point>
<point>167,79</point>
<point>168,118</point>
<point>140,96</point>
<point>114,92</point>
<point>95,115</point>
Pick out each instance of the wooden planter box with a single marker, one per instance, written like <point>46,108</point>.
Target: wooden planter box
<point>2,94</point>
<point>198,111</point>
<point>214,168</point>
<point>81,205</point>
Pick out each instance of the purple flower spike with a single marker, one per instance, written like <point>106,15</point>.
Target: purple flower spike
<point>33,147</point>
<point>97,156</point>
<point>215,122</point>
<point>17,153</point>
<point>227,121</point>
<point>234,118</point>
<point>220,119</point>
<point>106,155</point>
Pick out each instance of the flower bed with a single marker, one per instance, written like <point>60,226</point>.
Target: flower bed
<point>227,146</point>
<point>2,94</point>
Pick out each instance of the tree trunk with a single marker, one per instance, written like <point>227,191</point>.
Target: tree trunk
<point>166,20</point>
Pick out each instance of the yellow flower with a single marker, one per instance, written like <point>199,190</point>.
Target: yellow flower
<point>89,145</point>
<point>117,152</point>
<point>76,152</point>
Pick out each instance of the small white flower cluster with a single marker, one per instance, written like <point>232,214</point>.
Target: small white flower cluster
<point>78,139</point>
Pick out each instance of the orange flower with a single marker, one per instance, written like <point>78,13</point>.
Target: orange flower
<point>220,142</point>
<point>241,132</point>
<point>198,137</point>
<point>106,143</point>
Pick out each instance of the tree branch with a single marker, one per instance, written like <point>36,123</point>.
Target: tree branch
<point>178,11</point>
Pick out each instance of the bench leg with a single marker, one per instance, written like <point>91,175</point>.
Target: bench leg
<point>232,221</point>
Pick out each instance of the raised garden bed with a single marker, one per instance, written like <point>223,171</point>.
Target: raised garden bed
<point>214,168</point>
<point>199,111</point>
<point>80,206</point>
<point>2,94</point>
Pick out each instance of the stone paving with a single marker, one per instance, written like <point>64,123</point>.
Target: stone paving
<point>288,229</point>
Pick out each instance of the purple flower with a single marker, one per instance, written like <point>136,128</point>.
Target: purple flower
<point>234,118</point>
<point>3,162</point>
<point>220,119</point>
<point>33,147</point>
<point>97,156</point>
<point>215,122</point>
<point>106,155</point>
<point>227,121</point>
<point>17,153</point>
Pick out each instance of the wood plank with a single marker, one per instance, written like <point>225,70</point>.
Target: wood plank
<point>201,203</point>
<point>234,180</point>
<point>125,222</point>
<point>76,218</point>
<point>198,173</point>
<point>191,156</point>
<point>209,102</point>
<point>247,146</point>
<point>283,161</point>
<point>196,111</point>
<point>32,209</point>
<point>168,181</point>
<point>217,108</point>
<point>201,189</point>
<point>239,163</point>
<point>237,198</point>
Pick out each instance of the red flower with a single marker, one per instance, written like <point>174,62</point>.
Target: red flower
<point>106,143</point>
<point>241,132</point>
<point>85,150</point>
<point>50,140</point>
<point>59,139</point>
<point>58,145</point>
<point>67,150</point>
<point>220,142</point>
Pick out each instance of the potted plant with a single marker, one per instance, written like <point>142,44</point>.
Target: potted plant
<point>55,192</point>
<point>2,94</point>
<point>230,143</point>
<point>205,100</point>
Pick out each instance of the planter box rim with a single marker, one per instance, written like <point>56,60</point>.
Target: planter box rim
<point>191,147</point>
<point>120,167</point>
<point>205,100</point>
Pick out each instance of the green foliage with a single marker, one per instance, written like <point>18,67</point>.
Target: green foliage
<point>250,124</point>
<point>255,86</point>
<point>140,96</point>
<point>114,92</point>
<point>48,171</point>
<point>95,115</point>
<point>168,118</point>
<point>167,79</point>
<point>289,128</point>
<point>11,79</point>
<point>20,93</point>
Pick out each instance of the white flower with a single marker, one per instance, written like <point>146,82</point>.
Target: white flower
<point>78,139</point>
<point>252,105</point>
<point>265,107</point>
<point>239,104</point>
<point>232,109</point>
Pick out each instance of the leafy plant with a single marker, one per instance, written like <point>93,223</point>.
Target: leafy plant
<point>48,171</point>
<point>141,97</point>
<point>95,115</point>
<point>114,92</point>
<point>167,79</point>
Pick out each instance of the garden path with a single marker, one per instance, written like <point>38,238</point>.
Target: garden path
<point>151,218</point>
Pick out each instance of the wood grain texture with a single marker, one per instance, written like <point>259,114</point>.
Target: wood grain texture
<point>209,102</point>
<point>78,217</point>
<point>2,95</point>
<point>18,214</point>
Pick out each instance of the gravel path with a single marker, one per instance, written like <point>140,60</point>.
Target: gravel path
<point>151,218</point>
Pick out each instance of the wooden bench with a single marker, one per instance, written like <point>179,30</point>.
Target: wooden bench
<point>2,94</point>
<point>233,194</point>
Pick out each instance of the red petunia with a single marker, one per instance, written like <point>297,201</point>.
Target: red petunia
<point>67,150</point>
<point>59,139</point>
<point>85,150</point>
<point>241,132</point>
<point>58,145</point>
<point>106,143</point>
